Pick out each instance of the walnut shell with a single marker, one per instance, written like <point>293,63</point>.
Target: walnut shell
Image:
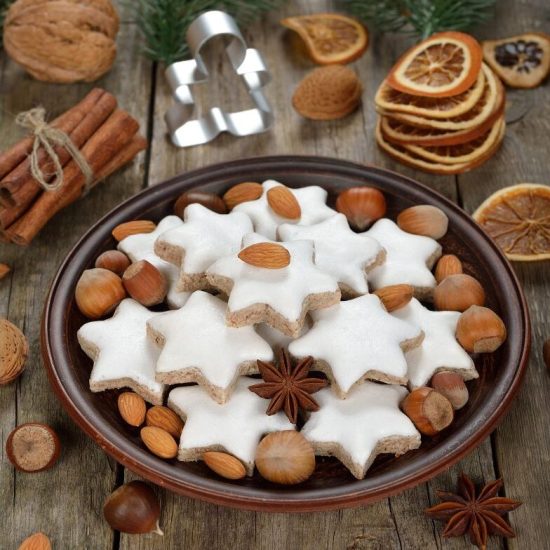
<point>62,40</point>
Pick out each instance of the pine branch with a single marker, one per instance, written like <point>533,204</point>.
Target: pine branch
<point>163,23</point>
<point>421,17</point>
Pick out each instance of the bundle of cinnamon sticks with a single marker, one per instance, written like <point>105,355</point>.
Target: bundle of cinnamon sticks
<point>107,138</point>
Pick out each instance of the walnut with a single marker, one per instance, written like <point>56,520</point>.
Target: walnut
<point>62,40</point>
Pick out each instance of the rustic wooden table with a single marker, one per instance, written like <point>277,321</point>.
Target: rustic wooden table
<point>66,502</point>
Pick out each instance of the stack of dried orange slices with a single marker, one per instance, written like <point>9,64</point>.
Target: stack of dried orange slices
<point>441,108</point>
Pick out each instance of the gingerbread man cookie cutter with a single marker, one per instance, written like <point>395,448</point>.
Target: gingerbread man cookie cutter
<point>186,129</point>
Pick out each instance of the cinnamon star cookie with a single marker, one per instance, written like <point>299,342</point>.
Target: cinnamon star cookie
<point>204,237</point>
<point>359,428</point>
<point>439,350</point>
<point>121,352</point>
<point>279,297</point>
<point>235,427</point>
<point>197,346</point>
<point>358,340</point>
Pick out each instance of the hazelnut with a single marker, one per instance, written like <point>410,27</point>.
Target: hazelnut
<point>208,200</point>
<point>449,264</point>
<point>458,293</point>
<point>424,219</point>
<point>285,457</point>
<point>98,292</point>
<point>113,260</point>
<point>480,330</point>
<point>33,447</point>
<point>395,296</point>
<point>430,411</point>
<point>224,465</point>
<point>451,385</point>
<point>132,408</point>
<point>145,283</point>
<point>362,206</point>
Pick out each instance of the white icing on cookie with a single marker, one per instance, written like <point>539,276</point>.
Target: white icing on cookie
<point>289,291</point>
<point>204,237</point>
<point>235,427</point>
<point>142,247</point>
<point>197,346</point>
<point>277,339</point>
<point>312,201</point>
<point>357,429</point>
<point>122,353</point>
<point>439,349</point>
<point>339,251</point>
<point>358,339</point>
<point>409,258</point>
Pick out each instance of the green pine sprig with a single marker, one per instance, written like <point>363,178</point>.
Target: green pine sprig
<point>164,23</point>
<point>421,17</point>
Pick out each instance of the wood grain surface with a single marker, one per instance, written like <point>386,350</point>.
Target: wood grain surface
<point>66,502</point>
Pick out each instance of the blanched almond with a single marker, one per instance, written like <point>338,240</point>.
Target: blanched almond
<point>283,202</point>
<point>224,464</point>
<point>131,407</point>
<point>449,264</point>
<point>425,220</point>
<point>165,418</point>
<point>135,227</point>
<point>242,192</point>
<point>159,442</point>
<point>266,255</point>
<point>395,296</point>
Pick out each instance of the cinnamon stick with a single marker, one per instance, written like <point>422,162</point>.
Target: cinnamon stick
<point>66,122</point>
<point>20,188</point>
<point>105,145</point>
<point>127,153</point>
<point>10,214</point>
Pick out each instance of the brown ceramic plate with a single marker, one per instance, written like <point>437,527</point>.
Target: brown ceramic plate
<point>331,486</point>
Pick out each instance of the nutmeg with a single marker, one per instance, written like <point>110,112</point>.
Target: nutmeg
<point>449,264</point>
<point>451,385</point>
<point>430,411</point>
<point>424,219</point>
<point>113,260</point>
<point>98,292</point>
<point>33,447</point>
<point>362,206</point>
<point>14,349</point>
<point>242,192</point>
<point>224,464</point>
<point>208,200</point>
<point>285,457</point>
<point>480,330</point>
<point>458,293</point>
<point>145,283</point>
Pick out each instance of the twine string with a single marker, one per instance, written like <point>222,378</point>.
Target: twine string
<point>47,137</point>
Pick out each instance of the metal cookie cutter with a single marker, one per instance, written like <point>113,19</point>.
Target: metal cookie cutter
<point>248,64</point>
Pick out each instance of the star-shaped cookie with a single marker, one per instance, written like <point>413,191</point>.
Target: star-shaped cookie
<point>339,251</point>
<point>235,427</point>
<point>439,349</point>
<point>197,346</point>
<point>357,429</point>
<point>122,354</point>
<point>409,259</point>
<point>358,340</point>
<point>312,201</point>
<point>142,247</point>
<point>278,297</point>
<point>204,237</point>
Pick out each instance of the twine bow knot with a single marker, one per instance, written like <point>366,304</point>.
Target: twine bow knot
<point>47,137</point>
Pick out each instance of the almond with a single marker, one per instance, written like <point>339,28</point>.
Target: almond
<point>284,203</point>
<point>242,192</point>
<point>449,264</point>
<point>13,352</point>
<point>4,270</point>
<point>131,407</point>
<point>38,541</point>
<point>165,418</point>
<point>425,220</point>
<point>224,464</point>
<point>395,296</point>
<point>266,255</point>
<point>159,442</point>
<point>135,227</point>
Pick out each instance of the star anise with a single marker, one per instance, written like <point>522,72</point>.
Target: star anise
<point>477,514</point>
<point>288,387</point>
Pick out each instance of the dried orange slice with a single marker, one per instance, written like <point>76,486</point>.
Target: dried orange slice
<point>409,158</point>
<point>479,113</point>
<point>330,38</point>
<point>518,219</point>
<point>443,65</point>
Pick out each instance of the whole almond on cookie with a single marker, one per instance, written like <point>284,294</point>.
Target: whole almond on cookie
<point>242,192</point>
<point>224,464</point>
<point>132,408</point>
<point>266,255</point>
<point>135,227</point>
<point>165,418</point>
<point>159,442</point>
<point>283,202</point>
<point>395,296</point>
